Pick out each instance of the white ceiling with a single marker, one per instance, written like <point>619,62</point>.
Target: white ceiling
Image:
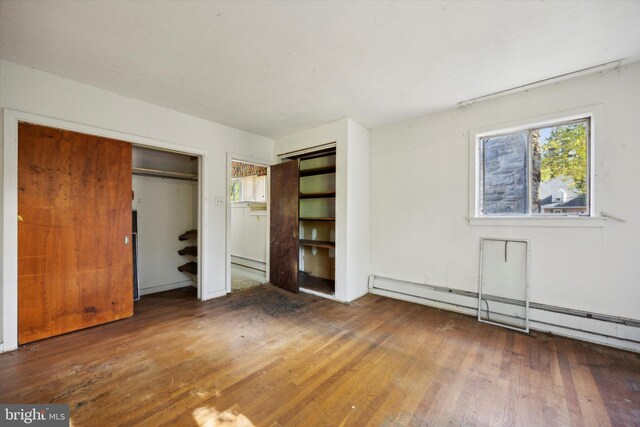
<point>274,68</point>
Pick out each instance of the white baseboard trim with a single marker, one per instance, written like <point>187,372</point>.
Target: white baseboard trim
<point>320,294</point>
<point>215,294</point>
<point>357,297</point>
<point>248,262</point>
<point>601,329</point>
<point>166,287</point>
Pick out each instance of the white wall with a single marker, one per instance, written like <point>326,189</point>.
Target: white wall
<point>31,91</point>
<point>249,235</point>
<point>357,210</point>
<point>165,211</point>
<point>420,198</point>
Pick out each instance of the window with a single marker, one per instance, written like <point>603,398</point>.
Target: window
<point>248,189</point>
<point>536,171</point>
<point>236,189</point>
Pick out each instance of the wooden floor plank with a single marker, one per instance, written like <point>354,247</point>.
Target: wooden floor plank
<point>267,357</point>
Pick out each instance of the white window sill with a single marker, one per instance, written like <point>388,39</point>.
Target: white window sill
<point>501,221</point>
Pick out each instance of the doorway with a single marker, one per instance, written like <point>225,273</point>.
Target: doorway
<point>249,222</point>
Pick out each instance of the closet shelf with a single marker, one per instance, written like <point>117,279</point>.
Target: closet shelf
<point>190,267</point>
<point>318,171</point>
<point>318,284</point>
<point>164,174</point>
<point>307,218</point>
<point>318,243</point>
<point>319,195</point>
<point>189,250</point>
<point>189,235</point>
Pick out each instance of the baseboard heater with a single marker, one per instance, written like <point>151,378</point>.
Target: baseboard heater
<point>604,329</point>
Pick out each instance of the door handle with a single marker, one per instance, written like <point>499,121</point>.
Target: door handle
<point>126,240</point>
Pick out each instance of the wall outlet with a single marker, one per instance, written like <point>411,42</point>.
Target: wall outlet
<point>219,201</point>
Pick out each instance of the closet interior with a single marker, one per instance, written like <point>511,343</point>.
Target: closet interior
<point>165,208</point>
<point>317,226</point>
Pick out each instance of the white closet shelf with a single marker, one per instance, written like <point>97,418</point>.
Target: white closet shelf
<point>162,173</point>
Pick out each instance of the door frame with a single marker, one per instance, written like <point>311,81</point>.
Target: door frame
<point>9,209</point>
<point>246,159</point>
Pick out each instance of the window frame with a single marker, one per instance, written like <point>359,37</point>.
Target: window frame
<point>475,217</point>
<point>528,131</point>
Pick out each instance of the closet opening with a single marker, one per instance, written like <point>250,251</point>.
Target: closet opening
<point>249,223</point>
<point>164,222</point>
<point>303,222</point>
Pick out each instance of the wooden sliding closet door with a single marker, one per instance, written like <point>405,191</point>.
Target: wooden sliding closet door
<point>283,231</point>
<point>74,231</point>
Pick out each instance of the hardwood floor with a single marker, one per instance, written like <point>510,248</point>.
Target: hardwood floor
<point>269,357</point>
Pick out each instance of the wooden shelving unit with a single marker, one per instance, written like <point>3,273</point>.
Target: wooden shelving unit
<point>316,255</point>
<point>189,250</point>
<point>303,203</point>
<point>318,171</point>
<point>317,218</point>
<point>318,195</point>
<point>190,267</point>
<point>189,235</point>
<point>318,243</point>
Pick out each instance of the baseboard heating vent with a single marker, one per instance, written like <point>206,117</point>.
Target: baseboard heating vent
<point>615,331</point>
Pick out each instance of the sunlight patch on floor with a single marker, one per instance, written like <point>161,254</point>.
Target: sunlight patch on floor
<point>207,416</point>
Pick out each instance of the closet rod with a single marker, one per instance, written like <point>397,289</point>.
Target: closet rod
<point>164,174</point>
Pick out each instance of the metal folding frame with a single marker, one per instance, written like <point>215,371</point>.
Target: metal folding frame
<point>526,285</point>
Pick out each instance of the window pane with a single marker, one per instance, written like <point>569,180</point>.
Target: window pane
<point>559,163</point>
<point>235,190</point>
<point>504,180</point>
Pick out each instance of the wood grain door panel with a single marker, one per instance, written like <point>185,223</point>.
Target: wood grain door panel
<point>284,208</point>
<point>74,196</point>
